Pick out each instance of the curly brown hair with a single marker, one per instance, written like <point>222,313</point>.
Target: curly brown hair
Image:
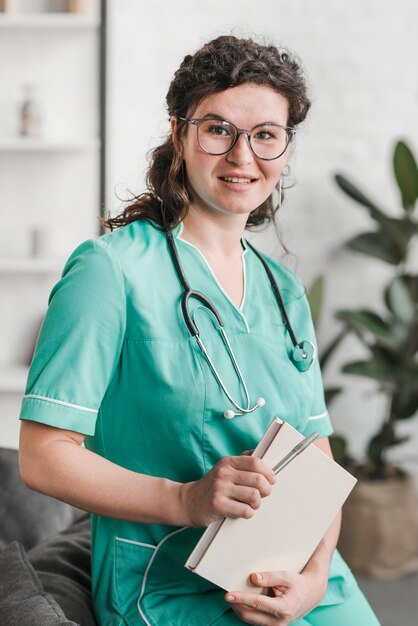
<point>221,64</point>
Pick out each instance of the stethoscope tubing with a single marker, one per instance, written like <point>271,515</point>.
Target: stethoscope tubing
<point>277,295</point>
<point>188,293</point>
<point>237,369</point>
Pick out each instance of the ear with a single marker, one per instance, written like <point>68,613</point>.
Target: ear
<point>174,124</point>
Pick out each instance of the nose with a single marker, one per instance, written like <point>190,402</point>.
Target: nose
<point>241,153</point>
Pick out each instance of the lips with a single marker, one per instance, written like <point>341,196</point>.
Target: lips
<point>238,179</point>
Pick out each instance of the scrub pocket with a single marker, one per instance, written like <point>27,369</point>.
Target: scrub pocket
<point>130,562</point>
<point>171,595</point>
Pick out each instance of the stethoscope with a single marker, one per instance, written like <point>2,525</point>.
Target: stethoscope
<point>302,356</point>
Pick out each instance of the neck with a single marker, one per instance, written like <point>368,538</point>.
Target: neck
<point>214,236</point>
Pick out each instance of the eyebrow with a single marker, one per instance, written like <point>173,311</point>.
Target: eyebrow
<point>220,117</point>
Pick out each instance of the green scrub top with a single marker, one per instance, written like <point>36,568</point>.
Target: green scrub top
<point>114,360</point>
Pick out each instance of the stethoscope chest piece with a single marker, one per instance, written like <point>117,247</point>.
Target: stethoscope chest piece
<point>303,355</point>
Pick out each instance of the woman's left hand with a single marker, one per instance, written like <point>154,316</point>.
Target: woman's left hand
<point>290,597</point>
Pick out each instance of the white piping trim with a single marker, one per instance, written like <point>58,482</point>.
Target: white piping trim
<point>144,581</point>
<point>72,406</point>
<point>136,543</point>
<point>318,417</point>
<point>244,271</point>
<point>244,252</point>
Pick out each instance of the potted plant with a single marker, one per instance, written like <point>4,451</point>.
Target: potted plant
<point>379,533</point>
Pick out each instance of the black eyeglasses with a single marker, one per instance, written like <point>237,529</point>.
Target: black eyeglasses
<point>216,136</point>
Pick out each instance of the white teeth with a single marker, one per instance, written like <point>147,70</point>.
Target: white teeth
<point>233,179</point>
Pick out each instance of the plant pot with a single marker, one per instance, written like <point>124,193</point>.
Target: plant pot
<point>379,531</point>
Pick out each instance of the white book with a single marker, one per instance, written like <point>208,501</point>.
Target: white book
<point>285,531</point>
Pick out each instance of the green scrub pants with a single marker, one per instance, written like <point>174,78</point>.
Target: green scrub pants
<point>355,611</point>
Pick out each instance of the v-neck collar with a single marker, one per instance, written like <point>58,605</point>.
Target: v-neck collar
<point>177,232</point>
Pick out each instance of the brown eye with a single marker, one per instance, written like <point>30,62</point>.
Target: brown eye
<point>264,135</point>
<point>217,129</point>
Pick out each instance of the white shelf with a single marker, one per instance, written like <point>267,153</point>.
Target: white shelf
<point>13,378</point>
<point>31,266</point>
<point>31,144</point>
<point>65,21</point>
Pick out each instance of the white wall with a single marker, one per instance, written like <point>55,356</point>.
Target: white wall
<point>44,193</point>
<point>360,58</point>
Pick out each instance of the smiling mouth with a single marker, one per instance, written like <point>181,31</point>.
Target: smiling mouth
<point>234,179</point>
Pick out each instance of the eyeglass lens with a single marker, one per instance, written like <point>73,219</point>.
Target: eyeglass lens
<point>268,141</point>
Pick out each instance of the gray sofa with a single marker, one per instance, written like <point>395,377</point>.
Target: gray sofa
<point>45,577</point>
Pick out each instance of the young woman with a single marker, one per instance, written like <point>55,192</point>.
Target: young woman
<point>164,399</point>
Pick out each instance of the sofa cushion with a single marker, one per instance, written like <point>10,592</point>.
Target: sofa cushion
<point>63,565</point>
<point>27,516</point>
<point>23,601</point>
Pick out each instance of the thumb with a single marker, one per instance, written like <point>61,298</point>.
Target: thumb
<point>270,579</point>
<point>247,453</point>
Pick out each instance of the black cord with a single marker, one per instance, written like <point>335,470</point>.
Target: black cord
<point>277,295</point>
<point>176,261</point>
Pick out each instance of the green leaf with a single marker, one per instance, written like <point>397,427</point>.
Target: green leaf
<point>379,245</point>
<point>400,373</point>
<point>315,297</point>
<point>353,192</point>
<point>400,231</point>
<point>405,403</point>
<point>402,439</point>
<point>399,302</point>
<point>370,369</point>
<point>390,355</point>
<point>411,282</point>
<point>397,231</point>
<point>406,174</point>
<point>375,449</point>
<point>330,393</point>
<point>365,320</point>
<point>380,442</point>
<point>382,371</point>
<point>407,374</point>
<point>339,448</point>
<point>326,354</point>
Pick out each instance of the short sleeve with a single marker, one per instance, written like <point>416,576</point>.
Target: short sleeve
<point>318,419</point>
<point>79,343</point>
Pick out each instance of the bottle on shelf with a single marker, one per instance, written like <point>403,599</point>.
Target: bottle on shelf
<point>41,242</point>
<point>81,6</point>
<point>30,113</point>
<point>9,6</point>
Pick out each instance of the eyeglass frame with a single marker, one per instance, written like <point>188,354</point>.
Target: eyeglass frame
<point>290,132</point>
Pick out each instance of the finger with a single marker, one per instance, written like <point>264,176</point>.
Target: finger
<point>247,495</point>
<point>272,579</point>
<point>235,509</point>
<point>253,464</point>
<point>247,452</point>
<point>258,602</point>
<point>256,618</point>
<point>253,480</point>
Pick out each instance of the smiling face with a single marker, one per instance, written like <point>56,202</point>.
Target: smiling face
<point>237,182</point>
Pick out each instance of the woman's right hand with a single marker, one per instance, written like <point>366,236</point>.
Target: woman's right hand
<point>232,488</point>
